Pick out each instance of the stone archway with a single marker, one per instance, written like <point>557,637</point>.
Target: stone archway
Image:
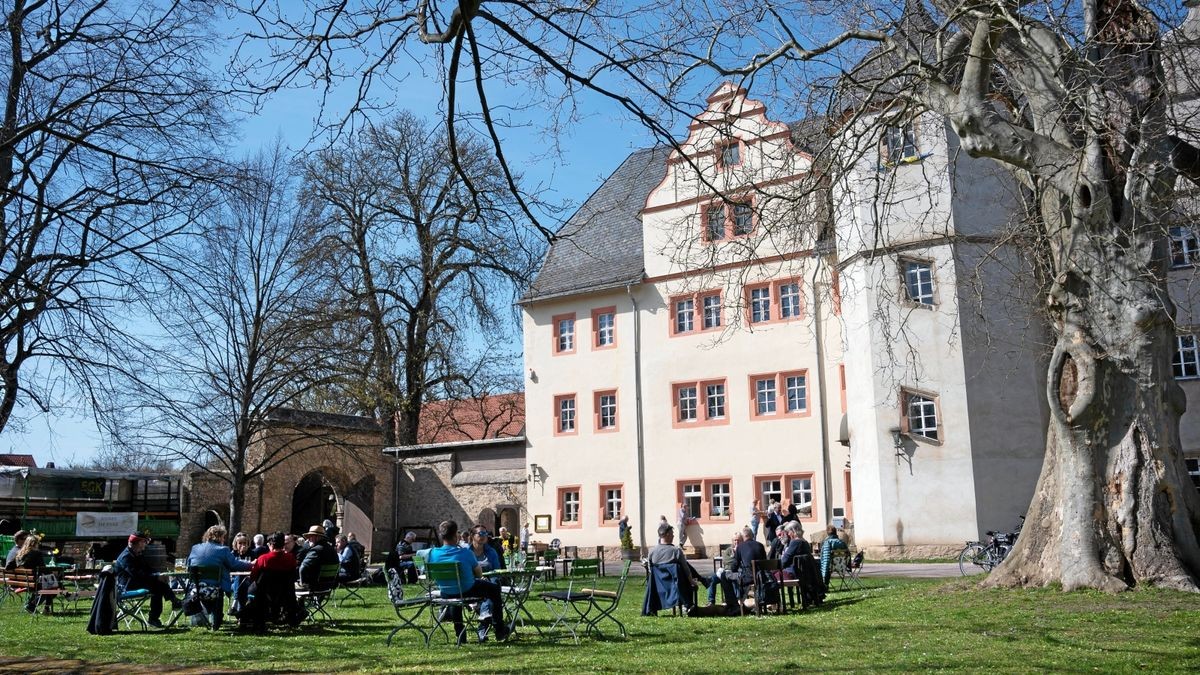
<point>487,518</point>
<point>314,499</point>
<point>510,519</point>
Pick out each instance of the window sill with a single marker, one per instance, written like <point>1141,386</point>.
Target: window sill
<point>913,304</point>
<point>917,159</point>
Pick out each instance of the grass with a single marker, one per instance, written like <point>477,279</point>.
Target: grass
<point>893,624</point>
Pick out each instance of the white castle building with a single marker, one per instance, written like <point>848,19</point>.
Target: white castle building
<point>879,364</point>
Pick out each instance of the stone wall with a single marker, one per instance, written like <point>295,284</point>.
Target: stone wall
<point>430,491</point>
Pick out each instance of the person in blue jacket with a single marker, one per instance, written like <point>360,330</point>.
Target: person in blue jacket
<point>213,552</point>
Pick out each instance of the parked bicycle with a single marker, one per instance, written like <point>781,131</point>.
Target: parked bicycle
<point>987,554</point>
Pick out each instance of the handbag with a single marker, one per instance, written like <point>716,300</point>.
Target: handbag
<point>47,582</point>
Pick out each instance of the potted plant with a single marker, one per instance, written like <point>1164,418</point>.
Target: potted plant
<point>626,535</point>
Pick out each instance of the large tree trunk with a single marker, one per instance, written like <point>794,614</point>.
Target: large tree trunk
<point>1114,506</point>
<point>237,503</point>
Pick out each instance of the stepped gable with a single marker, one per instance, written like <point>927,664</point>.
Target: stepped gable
<point>601,245</point>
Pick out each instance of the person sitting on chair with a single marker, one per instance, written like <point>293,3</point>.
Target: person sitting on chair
<point>727,556</point>
<point>317,554</point>
<point>667,552</point>
<point>741,571</point>
<point>401,558</point>
<point>349,564</point>
<point>30,557</point>
<point>471,584</point>
<point>212,552</point>
<point>18,541</point>
<point>832,543</point>
<point>133,572</point>
<point>260,547</point>
<point>271,586</point>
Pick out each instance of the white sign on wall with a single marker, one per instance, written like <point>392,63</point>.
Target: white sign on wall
<point>105,523</point>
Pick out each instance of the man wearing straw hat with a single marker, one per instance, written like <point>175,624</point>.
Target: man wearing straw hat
<point>320,553</point>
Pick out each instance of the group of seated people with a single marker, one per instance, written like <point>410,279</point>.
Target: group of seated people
<point>475,552</point>
<point>278,566</point>
<point>788,546</point>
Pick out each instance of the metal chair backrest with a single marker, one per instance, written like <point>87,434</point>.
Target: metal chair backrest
<point>550,555</point>
<point>209,575</point>
<point>585,568</point>
<point>445,574</point>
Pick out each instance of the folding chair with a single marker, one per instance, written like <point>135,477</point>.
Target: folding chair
<point>839,566</point>
<point>454,608</point>
<point>409,608</point>
<point>517,593</point>
<point>317,596</point>
<point>563,603</point>
<point>606,602</point>
<point>206,586</point>
<point>352,588</point>
<point>130,607</point>
<point>855,569</point>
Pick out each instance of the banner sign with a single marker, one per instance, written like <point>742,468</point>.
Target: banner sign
<point>105,524</point>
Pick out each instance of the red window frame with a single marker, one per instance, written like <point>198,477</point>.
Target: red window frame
<point>558,399</point>
<point>554,320</point>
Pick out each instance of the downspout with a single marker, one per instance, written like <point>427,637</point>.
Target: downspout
<point>819,335</point>
<point>637,392</point>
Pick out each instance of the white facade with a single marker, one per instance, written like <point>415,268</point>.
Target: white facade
<point>911,324</point>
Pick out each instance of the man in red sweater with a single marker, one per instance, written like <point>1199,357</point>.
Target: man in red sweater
<point>272,580</point>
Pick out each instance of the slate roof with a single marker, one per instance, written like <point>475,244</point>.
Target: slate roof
<point>883,74</point>
<point>601,245</point>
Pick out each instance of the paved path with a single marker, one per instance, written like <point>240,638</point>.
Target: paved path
<point>913,570</point>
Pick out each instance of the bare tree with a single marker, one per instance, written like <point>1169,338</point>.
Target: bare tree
<point>416,258</point>
<point>1071,97</point>
<point>233,340</point>
<point>108,117</point>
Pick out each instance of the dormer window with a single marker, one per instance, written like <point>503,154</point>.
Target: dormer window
<point>900,144</point>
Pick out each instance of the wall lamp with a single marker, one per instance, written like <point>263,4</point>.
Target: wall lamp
<point>898,441</point>
<point>535,473</point>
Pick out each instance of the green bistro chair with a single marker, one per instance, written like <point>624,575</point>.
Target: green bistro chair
<point>571,607</point>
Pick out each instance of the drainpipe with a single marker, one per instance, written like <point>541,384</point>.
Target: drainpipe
<point>819,335</point>
<point>641,439</point>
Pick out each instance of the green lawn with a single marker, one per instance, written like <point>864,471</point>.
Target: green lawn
<point>892,624</point>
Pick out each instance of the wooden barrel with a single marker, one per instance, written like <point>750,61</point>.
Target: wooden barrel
<point>156,556</point>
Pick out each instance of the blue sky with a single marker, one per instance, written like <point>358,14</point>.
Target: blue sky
<point>590,150</point>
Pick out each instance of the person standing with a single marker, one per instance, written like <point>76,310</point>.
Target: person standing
<point>525,538</point>
<point>682,517</point>
<point>133,572</point>
<point>755,517</point>
<point>773,520</point>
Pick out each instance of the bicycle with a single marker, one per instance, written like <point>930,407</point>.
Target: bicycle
<point>988,555</point>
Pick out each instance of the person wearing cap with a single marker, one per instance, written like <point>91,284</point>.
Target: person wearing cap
<point>319,553</point>
<point>471,584</point>
<point>18,540</point>
<point>133,572</point>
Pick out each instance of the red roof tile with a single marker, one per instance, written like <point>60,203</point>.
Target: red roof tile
<point>18,460</point>
<point>474,419</point>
